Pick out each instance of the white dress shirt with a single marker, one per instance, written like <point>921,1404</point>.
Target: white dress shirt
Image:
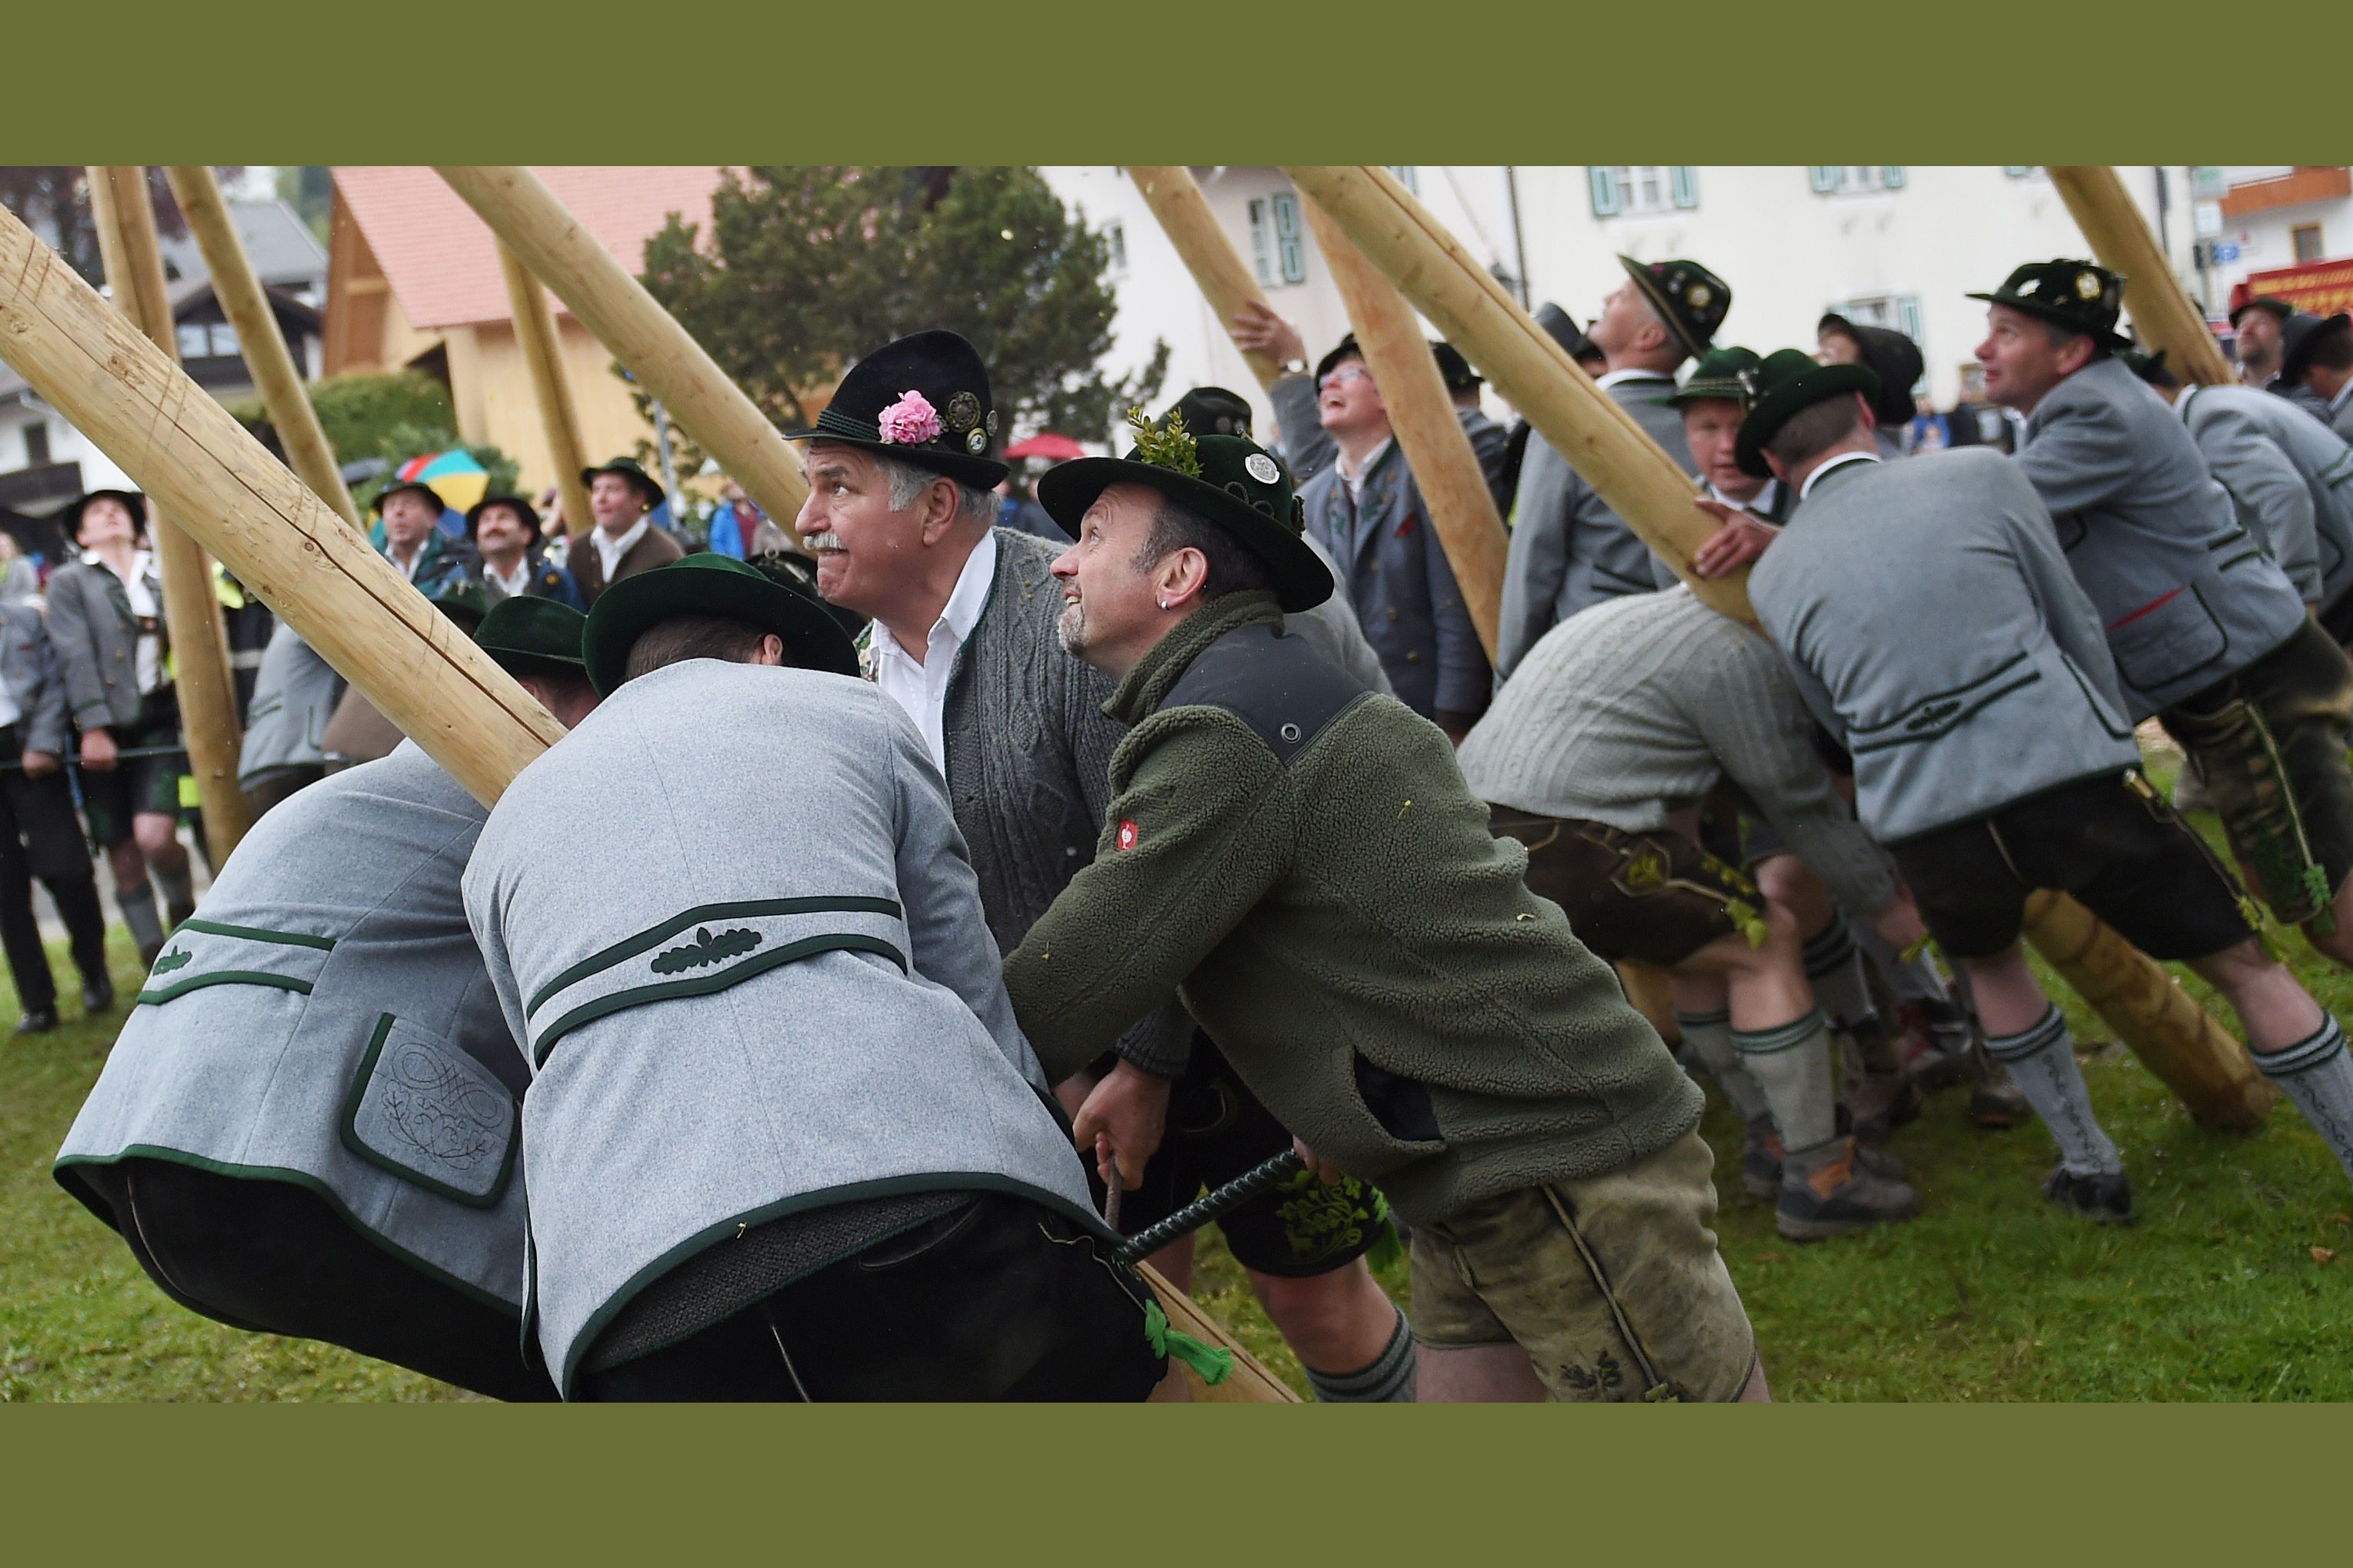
<point>922,687</point>
<point>143,605</point>
<point>507,587</point>
<point>610,550</point>
<point>1840,462</point>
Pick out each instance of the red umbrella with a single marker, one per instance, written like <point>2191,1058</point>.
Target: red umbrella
<point>1048,444</point>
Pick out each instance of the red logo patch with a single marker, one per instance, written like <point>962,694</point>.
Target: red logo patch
<point>1405,528</point>
<point>1126,838</point>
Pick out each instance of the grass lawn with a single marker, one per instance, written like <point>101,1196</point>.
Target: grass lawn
<point>2226,1289</point>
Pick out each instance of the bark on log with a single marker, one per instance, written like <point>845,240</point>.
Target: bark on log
<point>1175,199</point>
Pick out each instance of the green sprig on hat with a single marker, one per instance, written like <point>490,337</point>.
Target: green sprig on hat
<point>1164,444</point>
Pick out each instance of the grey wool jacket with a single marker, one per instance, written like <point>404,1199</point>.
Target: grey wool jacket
<point>97,641</point>
<point>28,666</point>
<point>1935,628</point>
<point>1568,550</point>
<point>293,698</point>
<point>2290,477</point>
<point>326,1020</point>
<point>730,1025</point>
<point>1634,708</point>
<point>2185,593</point>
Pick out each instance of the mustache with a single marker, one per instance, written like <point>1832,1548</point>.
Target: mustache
<point>828,540</point>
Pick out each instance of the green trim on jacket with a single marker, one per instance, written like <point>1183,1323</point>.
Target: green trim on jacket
<point>1348,931</point>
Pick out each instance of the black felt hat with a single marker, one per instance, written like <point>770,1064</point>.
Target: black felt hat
<point>2270,304</point>
<point>460,598</point>
<point>1345,349</point>
<point>1688,296</point>
<point>527,635</point>
<point>2150,367</point>
<point>1892,357</point>
<point>431,495</point>
<point>2300,335</point>
<point>1228,481</point>
<point>708,584</point>
<point>632,470</point>
<point>1566,332</point>
<point>132,501</point>
<point>1788,382</point>
<point>923,400</point>
<point>1213,411</point>
<point>2082,296</point>
<point>1726,373</point>
<point>1453,369</point>
<point>515,504</point>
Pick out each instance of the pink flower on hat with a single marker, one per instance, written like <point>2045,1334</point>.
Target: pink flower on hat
<point>910,421</point>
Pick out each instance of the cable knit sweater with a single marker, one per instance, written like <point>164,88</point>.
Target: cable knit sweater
<point>1637,706</point>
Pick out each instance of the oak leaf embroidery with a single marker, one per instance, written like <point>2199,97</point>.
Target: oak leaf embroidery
<point>706,950</point>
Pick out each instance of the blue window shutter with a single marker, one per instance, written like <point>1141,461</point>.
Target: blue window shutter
<point>1827,178</point>
<point>1605,191</point>
<point>1895,176</point>
<point>1686,185</point>
<point>1286,235</point>
<point>1262,243</point>
<point>2020,171</point>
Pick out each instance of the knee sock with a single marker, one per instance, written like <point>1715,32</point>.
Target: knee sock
<point>1792,1065</point>
<point>1709,1034</point>
<point>2042,1062</point>
<point>138,906</point>
<point>1388,1380</point>
<point>85,923</point>
<point>2317,1072</point>
<point>1915,980</point>
<point>179,887</point>
<point>1835,972</point>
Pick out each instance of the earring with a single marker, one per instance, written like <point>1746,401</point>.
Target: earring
<point>1164,604</point>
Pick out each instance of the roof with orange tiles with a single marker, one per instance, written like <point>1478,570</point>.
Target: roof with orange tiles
<point>441,262</point>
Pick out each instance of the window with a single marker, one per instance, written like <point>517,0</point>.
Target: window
<point>1404,171</point>
<point>36,444</point>
<point>1277,248</point>
<point>2022,171</point>
<point>2306,240</point>
<point>1638,189</point>
<point>224,339</point>
<point>1115,248</point>
<point>1856,179</point>
<point>1261,241</point>
<point>1900,311</point>
<point>193,341</point>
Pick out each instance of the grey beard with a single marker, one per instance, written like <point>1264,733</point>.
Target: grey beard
<point>1071,629</point>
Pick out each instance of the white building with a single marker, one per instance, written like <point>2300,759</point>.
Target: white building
<point>2267,218</point>
<point>1899,246</point>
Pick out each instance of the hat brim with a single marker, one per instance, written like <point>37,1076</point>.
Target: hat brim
<point>1302,580</point>
<point>131,501</point>
<point>417,487</point>
<point>981,473</point>
<point>1779,407</point>
<point>516,504</point>
<point>655,495</point>
<point>2042,312</point>
<point>2270,305</point>
<point>1693,346</point>
<point>633,606</point>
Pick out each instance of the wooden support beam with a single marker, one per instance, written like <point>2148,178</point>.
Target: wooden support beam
<point>275,374</point>
<point>1422,418</point>
<point>534,323</point>
<point>668,363</point>
<point>2160,307</point>
<point>1643,485</point>
<point>209,724</point>
<point>1175,199</point>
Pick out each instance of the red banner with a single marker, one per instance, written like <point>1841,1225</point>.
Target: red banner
<point>2323,288</point>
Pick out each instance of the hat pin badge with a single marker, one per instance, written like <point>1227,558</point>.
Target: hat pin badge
<point>1261,468</point>
<point>1697,296</point>
<point>2087,285</point>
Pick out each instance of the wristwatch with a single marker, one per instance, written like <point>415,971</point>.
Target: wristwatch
<point>1294,367</point>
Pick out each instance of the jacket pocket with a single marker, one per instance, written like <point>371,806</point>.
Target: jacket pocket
<point>2161,642</point>
<point>1941,712</point>
<point>422,1109</point>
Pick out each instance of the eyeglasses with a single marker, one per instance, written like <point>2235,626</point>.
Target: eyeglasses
<point>1343,375</point>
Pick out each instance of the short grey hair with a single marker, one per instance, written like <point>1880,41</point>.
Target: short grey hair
<point>1231,567</point>
<point>908,481</point>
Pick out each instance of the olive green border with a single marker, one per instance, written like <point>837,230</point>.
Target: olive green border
<point>258,933</point>
<point>347,1128</point>
<point>708,985</point>
<point>745,908</point>
<point>222,977</point>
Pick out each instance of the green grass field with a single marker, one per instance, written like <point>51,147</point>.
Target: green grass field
<point>2223,1292</point>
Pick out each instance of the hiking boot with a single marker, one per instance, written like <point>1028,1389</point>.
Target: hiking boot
<point>1842,1195</point>
<point>2104,1199</point>
<point>1995,1100</point>
<point>1933,1039</point>
<point>1760,1162</point>
<point>98,996</point>
<point>1882,1102</point>
<point>37,1021</point>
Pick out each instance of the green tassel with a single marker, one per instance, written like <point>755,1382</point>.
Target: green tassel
<point>1209,1363</point>
<point>1914,950</point>
<point>1752,924</point>
<point>2316,887</point>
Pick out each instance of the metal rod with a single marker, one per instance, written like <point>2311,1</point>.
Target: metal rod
<point>1265,1177</point>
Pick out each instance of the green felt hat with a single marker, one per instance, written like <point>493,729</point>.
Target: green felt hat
<point>430,496</point>
<point>632,470</point>
<point>527,635</point>
<point>1213,411</point>
<point>1729,374</point>
<point>2150,367</point>
<point>462,600</point>
<point>1228,481</point>
<point>1688,296</point>
<point>1790,382</point>
<point>708,584</point>
<point>2082,296</point>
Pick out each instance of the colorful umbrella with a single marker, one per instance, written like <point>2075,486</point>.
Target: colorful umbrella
<point>1048,444</point>
<point>453,475</point>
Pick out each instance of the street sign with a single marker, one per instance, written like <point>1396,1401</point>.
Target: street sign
<point>2225,252</point>
<point>2207,218</point>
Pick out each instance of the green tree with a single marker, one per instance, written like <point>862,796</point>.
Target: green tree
<point>807,267</point>
<point>310,190</point>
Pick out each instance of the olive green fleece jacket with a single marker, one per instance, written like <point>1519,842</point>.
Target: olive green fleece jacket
<point>1349,911</point>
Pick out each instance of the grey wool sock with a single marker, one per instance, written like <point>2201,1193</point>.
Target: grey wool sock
<point>2317,1072</point>
<point>1792,1065</point>
<point>1915,980</point>
<point>138,906</point>
<point>2042,1062</point>
<point>1834,970</point>
<point>1388,1380</point>
<point>1709,1034</point>
<point>179,887</point>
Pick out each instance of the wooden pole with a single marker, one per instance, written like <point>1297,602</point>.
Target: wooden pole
<point>181,447</point>
<point>1175,199</point>
<point>2167,318</point>
<point>275,374</point>
<point>1535,374</point>
<point>201,679</point>
<point>347,602</point>
<point>1422,418</point>
<point>668,363</point>
<point>2180,1042</point>
<point>534,323</point>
